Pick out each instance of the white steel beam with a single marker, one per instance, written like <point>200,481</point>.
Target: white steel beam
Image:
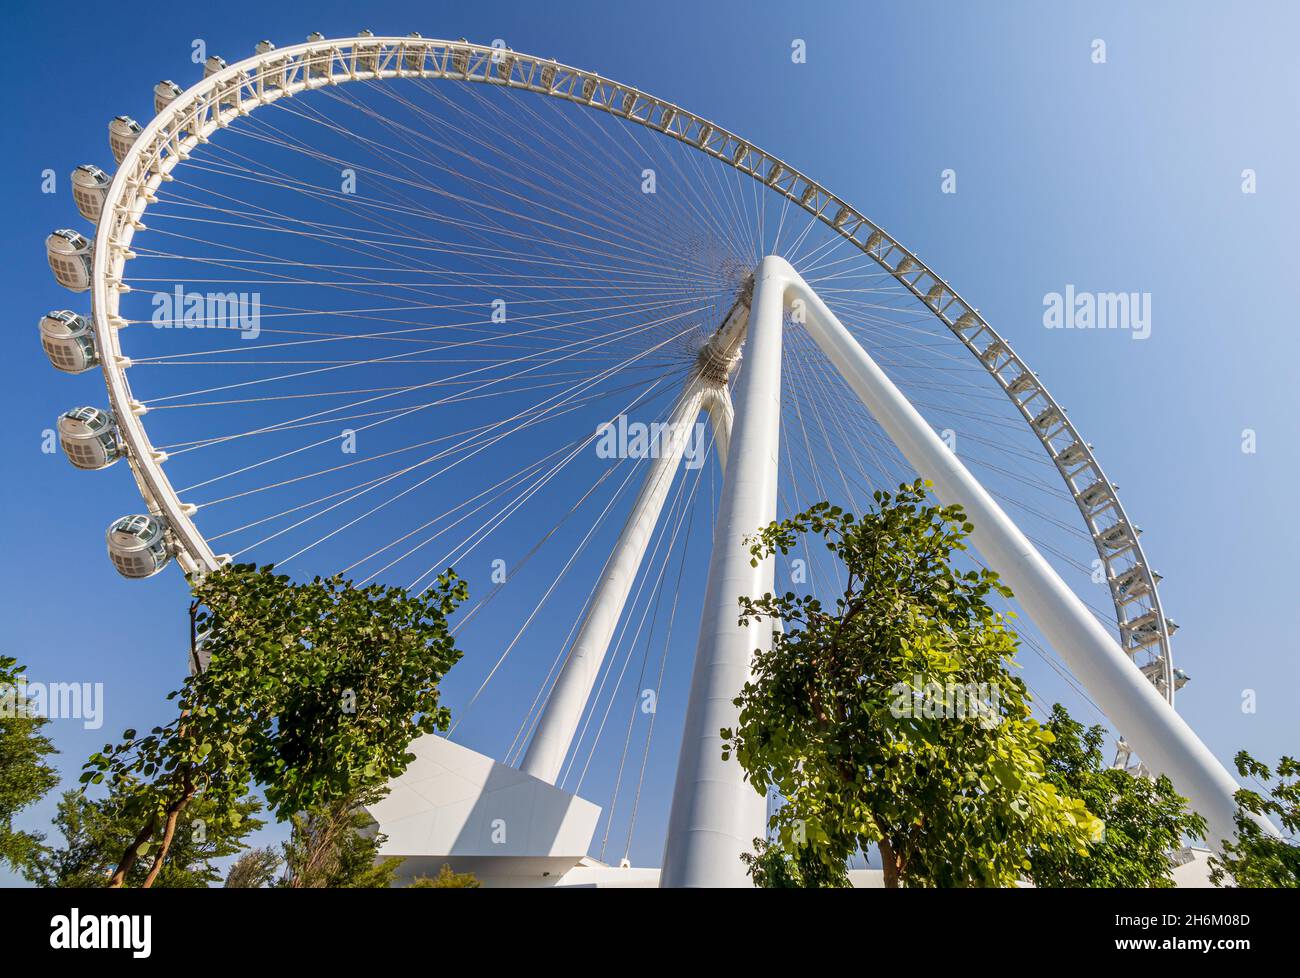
<point>715,815</point>
<point>568,699</point>
<point>1163,738</point>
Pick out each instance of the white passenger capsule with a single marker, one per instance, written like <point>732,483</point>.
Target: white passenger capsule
<point>70,255</point>
<point>460,59</point>
<point>318,63</point>
<point>69,341</point>
<point>164,94</point>
<point>414,56</point>
<point>89,190</point>
<point>505,66</point>
<point>137,545</point>
<point>89,438</point>
<point>122,132</point>
<point>368,59</point>
<point>212,66</point>
<point>273,72</point>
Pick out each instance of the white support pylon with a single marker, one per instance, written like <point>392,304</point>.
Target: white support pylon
<point>715,814</point>
<point>1166,743</point>
<point>721,414</point>
<point>564,707</point>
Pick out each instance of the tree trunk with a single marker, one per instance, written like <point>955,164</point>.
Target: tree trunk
<point>132,853</point>
<point>889,861</point>
<point>169,833</point>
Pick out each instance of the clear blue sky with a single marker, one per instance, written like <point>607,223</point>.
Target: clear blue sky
<point>1117,177</point>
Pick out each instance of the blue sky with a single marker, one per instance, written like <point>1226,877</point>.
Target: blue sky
<point>1123,176</point>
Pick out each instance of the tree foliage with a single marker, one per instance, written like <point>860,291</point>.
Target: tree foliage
<point>1145,818</point>
<point>254,869</point>
<point>312,690</point>
<point>336,846</point>
<point>777,867</point>
<point>1257,858</point>
<point>893,717</point>
<point>96,831</point>
<point>447,879</point>
<point>25,773</point>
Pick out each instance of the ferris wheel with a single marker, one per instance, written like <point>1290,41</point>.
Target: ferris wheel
<point>384,305</point>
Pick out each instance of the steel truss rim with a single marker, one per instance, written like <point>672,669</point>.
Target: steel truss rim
<point>215,101</point>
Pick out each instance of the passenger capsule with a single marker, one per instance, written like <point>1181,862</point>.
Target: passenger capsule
<point>70,255</point>
<point>993,352</point>
<point>368,59</point>
<point>123,131</point>
<point>212,66</point>
<point>1131,583</point>
<point>414,57</point>
<point>1047,419</point>
<point>505,64</point>
<point>69,341</point>
<point>90,190</point>
<point>164,94</point>
<point>89,438</point>
<point>1024,383</point>
<point>273,73</point>
<point>137,545</point>
<point>318,63</point>
<point>1118,537</point>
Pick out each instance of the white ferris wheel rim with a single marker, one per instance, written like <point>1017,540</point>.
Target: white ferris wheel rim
<point>266,77</point>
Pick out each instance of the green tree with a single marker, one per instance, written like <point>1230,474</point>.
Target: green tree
<point>312,690</point>
<point>446,880</point>
<point>892,717</point>
<point>1256,858</point>
<point>1145,818</point>
<point>95,832</point>
<point>25,774</point>
<point>337,846</point>
<point>777,867</point>
<point>254,869</point>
